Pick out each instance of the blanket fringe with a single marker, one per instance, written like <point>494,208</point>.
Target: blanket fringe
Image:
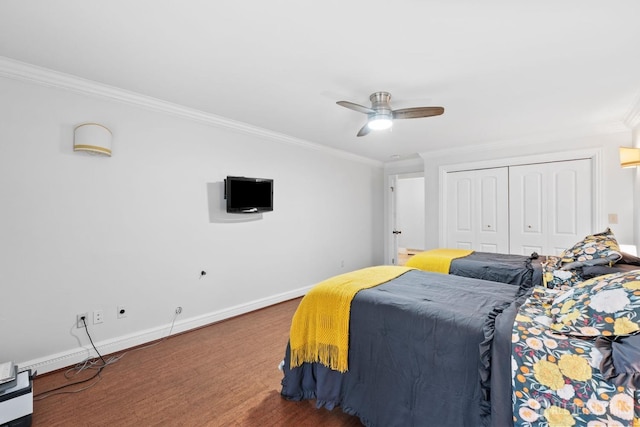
<point>326,354</point>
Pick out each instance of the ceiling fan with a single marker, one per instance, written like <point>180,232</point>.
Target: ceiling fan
<point>381,116</point>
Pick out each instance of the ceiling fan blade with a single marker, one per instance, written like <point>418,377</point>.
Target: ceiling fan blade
<point>355,107</point>
<point>416,112</point>
<point>364,130</point>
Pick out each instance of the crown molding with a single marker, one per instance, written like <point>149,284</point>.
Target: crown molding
<point>17,70</point>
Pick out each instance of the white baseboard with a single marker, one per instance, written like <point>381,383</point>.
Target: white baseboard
<point>73,356</point>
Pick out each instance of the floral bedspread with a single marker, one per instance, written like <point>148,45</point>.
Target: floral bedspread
<point>554,276</point>
<point>556,379</point>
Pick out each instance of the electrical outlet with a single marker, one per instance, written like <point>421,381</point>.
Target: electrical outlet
<point>178,310</point>
<point>98,317</point>
<point>122,312</point>
<point>79,317</point>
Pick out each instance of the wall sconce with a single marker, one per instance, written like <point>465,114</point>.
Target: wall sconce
<point>92,138</point>
<point>629,157</point>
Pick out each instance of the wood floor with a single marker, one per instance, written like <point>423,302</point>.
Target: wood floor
<point>224,374</point>
<point>405,254</point>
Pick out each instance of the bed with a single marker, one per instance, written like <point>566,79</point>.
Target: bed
<point>595,255</point>
<point>507,268</point>
<point>576,355</point>
<point>419,353</point>
<point>427,348</point>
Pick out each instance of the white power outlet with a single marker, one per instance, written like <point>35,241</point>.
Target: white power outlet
<point>79,322</point>
<point>122,312</point>
<point>98,317</point>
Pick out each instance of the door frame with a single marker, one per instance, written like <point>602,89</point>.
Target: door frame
<point>391,252</point>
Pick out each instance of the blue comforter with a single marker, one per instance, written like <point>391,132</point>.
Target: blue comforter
<point>420,352</point>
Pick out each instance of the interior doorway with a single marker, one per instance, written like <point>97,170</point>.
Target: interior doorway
<point>407,216</point>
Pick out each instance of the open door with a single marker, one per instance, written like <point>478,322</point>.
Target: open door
<point>407,216</point>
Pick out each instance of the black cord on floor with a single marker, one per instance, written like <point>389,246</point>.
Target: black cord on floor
<point>80,368</point>
<point>89,364</point>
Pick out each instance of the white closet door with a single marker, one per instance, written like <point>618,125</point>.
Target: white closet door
<point>550,206</point>
<point>477,210</point>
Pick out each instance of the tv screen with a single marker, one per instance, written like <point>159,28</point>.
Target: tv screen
<point>248,195</point>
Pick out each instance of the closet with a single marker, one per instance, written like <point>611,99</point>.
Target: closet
<point>478,210</point>
<point>520,209</point>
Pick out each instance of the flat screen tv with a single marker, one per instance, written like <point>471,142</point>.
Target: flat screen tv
<point>248,195</point>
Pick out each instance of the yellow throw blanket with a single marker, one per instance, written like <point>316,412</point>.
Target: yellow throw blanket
<point>437,260</point>
<point>320,326</point>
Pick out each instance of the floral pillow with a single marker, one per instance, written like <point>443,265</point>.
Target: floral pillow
<point>555,277</point>
<point>605,305</point>
<point>599,248</point>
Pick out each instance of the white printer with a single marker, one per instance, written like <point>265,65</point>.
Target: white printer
<point>16,402</point>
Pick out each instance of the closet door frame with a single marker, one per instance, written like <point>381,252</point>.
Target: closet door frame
<point>595,154</point>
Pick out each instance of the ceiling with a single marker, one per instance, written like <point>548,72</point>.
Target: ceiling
<point>503,70</point>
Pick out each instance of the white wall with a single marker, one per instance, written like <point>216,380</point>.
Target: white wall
<point>616,185</point>
<point>81,233</point>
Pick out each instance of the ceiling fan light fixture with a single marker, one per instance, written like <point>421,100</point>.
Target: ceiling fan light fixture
<point>380,115</point>
<point>380,122</point>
